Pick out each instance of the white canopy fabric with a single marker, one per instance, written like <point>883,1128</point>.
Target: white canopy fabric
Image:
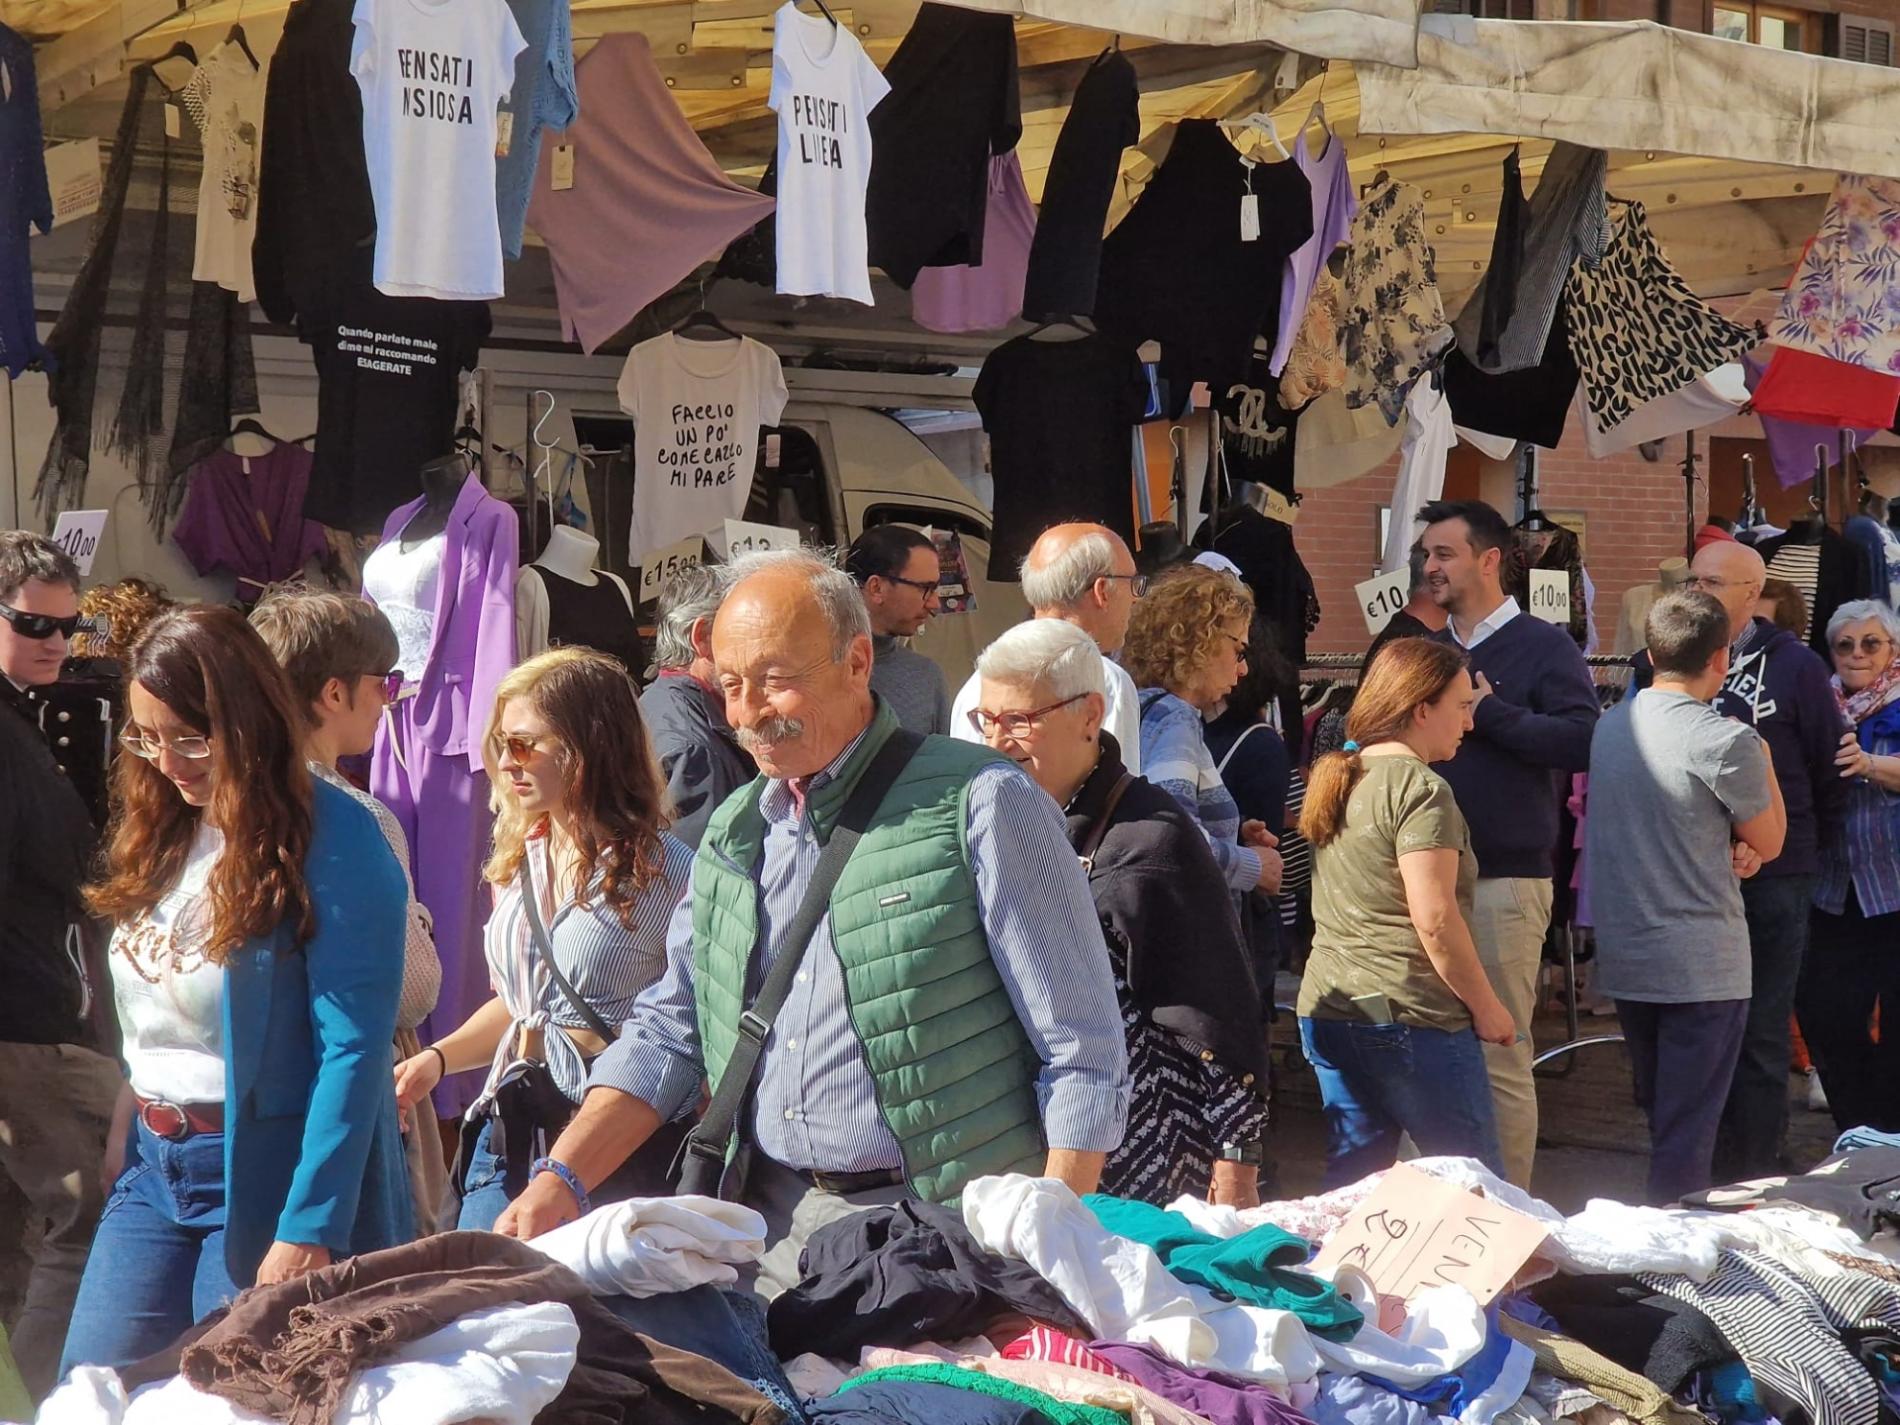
<point>1382,31</point>
<point>1639,86</point>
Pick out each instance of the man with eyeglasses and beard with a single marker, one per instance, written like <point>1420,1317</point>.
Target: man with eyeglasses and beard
<point>56,1091</point>
<point>1778,686</point>
<point>954,1016</point>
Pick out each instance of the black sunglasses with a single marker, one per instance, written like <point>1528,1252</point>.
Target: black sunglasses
<point>45,625</point>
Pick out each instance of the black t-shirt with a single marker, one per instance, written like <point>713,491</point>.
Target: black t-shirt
<point>388,379</point>
<point>1256,430</point>
<point>1179,271</point>
<point>1065,256</point>
<point>953,102</point>
<point>1533,404</point>
<point>1270,566</point>
<point>1059,415</point>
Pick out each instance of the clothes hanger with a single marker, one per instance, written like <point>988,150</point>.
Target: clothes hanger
<point>237,37</point>
<point>827,13</point>
<point>703,321</point>
<point>1072,328</point>
<point>250,425</point>
<point>1257,123</point>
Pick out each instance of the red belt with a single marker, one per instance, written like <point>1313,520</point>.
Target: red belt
<point>177,1120</point>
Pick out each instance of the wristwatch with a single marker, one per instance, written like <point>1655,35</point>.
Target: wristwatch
<point>1253,1152</point>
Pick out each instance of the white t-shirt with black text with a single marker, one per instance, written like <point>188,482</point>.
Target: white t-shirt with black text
<point>824,87</point>
<point>433,73</point>
<point>697,407</point>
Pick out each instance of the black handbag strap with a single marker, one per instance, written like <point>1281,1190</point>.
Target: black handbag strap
<point>710,1140</point>
<point>531,900</point>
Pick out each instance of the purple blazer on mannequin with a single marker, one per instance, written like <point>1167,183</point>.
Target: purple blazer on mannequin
<point>427,766</point>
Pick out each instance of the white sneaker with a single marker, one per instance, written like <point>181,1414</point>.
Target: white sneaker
<point>1817,1096</point>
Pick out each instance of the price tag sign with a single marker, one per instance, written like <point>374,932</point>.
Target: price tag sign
<point>738,537</point>
<point>77,532</point>
<point>1280,508</point>
<point>1382,596</point>
<point>661,565</point>
<point>1550,595</point>
<point>1417,1231</point>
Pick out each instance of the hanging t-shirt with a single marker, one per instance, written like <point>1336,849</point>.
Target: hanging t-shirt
<point>1059,416</point>
<point>697,407</point>
<point>432,74</point>
<point>388,378</point>
<point>1334,207</point>
<point>225,98</point>
<point>1256,429</point>
<point>824,88</point>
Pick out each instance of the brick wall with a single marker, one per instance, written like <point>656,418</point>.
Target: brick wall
<point>1632,511</point>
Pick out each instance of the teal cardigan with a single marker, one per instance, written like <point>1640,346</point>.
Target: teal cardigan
<point>312,1147</point>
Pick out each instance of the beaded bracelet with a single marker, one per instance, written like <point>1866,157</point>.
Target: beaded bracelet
<point>566,1175</point>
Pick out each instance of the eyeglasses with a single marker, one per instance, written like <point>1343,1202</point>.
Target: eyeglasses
<point>1240,645</point>
<point>37,626</point>
<point>518,745</point>
<point>390,682</point>
<point>1870,645</point>
<point>148,746</point>
<point>926,587</point>
<point>1015,724</point>
<point>1703,581</point>
<point>1138,584</point>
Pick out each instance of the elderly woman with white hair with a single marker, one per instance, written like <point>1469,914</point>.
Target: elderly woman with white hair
<point>1196,1050</point>
<point>1852,966</point>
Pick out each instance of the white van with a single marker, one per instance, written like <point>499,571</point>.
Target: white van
<point>837,471</point>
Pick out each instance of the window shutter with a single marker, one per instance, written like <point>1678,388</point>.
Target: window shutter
<point>1863,40</point>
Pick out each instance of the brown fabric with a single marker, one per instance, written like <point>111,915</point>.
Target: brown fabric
<point>289,1351</point>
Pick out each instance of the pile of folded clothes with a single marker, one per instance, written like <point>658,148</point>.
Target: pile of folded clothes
<point>1027,1305</point>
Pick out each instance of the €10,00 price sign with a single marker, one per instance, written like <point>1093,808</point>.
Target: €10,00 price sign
<point>1382,596</point>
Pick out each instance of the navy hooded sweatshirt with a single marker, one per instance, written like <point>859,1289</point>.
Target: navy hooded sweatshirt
<point>1779,686</point>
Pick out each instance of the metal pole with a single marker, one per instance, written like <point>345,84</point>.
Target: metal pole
<point>1688,496</point>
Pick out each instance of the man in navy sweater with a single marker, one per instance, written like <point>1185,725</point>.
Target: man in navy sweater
<point>1778,686</point>
<point>1532,722</point>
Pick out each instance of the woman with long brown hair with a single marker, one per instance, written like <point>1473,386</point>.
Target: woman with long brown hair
<point>1394,1004</point>
<point>256,963</point>
<point>586,876</point>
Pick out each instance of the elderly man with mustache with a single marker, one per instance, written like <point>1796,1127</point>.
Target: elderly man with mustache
<point>954,1015</point>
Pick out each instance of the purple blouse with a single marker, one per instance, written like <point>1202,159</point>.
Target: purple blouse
<point>990,295</point>
<point>1334,207</point>
<point>244,514</point>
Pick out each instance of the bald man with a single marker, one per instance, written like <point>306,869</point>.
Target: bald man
<point>1082,574</point>
<point>1779,686</point>
<point>954,1016</point>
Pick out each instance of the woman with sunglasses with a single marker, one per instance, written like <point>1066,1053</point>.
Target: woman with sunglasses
<point>1851,969</point>
<point>585,873</point>
<point>256,962</point>
<point>1187,646</point>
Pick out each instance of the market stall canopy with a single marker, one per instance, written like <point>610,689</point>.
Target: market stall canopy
<point>1639,85</point>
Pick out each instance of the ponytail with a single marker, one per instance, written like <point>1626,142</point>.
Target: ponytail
<point>1403,676</point>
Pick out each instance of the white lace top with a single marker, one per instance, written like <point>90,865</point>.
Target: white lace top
<point>170,998</point>
<point>404,583</point>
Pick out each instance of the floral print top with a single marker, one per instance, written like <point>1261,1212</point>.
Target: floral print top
<point>1395,321</point>
<point>1314,365</point>
<point>1844,301</point>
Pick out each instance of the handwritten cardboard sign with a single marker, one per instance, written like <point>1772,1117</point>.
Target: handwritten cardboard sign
<point>1381,596</point>
<point>1416,1232</point>
<point>1550,595</point>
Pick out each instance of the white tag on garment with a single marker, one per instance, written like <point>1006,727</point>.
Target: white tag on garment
<point>504,132</point>
<point>1250,218</point>
<point>774,444</point>
<point>561,176</point>
<point>174,124</point>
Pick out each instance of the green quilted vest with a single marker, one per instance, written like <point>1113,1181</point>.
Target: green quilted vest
<point>954,1072</point>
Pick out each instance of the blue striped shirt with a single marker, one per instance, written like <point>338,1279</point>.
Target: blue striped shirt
<point>816,1108</point>
<point>1174,757</point>
<point>608,963</point>
<point>1865,851</point>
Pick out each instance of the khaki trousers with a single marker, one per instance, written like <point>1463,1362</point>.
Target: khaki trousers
<point>56,1104</point>
<point>1509,916</point>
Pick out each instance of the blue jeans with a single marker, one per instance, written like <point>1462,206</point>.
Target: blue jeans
<point>157,1262</point>
<point>726,1327</point>
<point>1380,1081</point>
<point>485,1194</point>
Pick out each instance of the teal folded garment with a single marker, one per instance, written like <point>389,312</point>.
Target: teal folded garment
<point>1251,1268</point>
<point>1060,1412</point>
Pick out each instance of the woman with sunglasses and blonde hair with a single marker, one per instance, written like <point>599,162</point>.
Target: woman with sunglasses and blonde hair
<point>256,963</point>
<point>586,879</point>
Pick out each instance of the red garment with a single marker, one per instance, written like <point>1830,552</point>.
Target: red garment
<point>1815,390</point>
<point>1045,1343</point>
<point>1711,534</point>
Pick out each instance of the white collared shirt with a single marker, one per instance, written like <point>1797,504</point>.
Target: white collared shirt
<point>1489,625</point>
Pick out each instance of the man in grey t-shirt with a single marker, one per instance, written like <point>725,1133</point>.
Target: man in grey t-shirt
<point>1683,806</point>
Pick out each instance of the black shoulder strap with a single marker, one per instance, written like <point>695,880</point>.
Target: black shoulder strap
<point>531,899</point>
<point>704,1155</point>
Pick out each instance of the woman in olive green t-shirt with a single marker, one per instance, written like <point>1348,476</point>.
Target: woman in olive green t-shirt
<point>1394,1004</point>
